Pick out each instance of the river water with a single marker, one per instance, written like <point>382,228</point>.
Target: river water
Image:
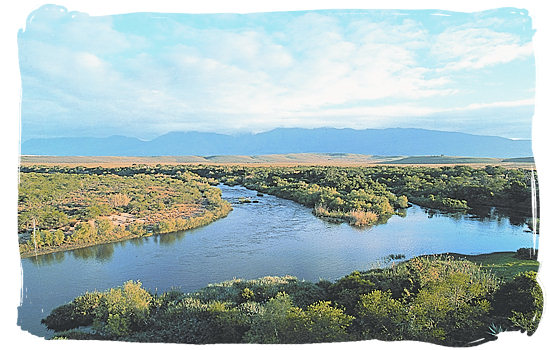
<point>272,237</point>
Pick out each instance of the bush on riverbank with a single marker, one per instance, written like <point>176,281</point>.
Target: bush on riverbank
<point>378,189</point>
<point>434,299</point>
<point>137,206</point>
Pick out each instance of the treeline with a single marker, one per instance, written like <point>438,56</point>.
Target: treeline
<point>360,195</point>
<point>66,210</point>
<point>381,190</point>
<point>432,299</point>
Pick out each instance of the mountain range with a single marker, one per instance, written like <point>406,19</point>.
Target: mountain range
<point>392,141</point>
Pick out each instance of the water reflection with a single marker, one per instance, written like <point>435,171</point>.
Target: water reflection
<point>481,214</point>
<point>102,252</point>
<point>170,238</point>
<point>48,259</point>
<point>499,214</point>
<point>273,237</point>
<point>137,242</point>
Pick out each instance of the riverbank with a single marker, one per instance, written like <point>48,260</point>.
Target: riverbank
<point>273,237</point>
<point>206,218</point>
<point>442,299</point>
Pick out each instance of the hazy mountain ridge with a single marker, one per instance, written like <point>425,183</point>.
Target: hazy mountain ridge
<point>394,141</point>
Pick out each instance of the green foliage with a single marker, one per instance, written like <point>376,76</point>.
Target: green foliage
<point>104,227</point>
<point>281,322</point>
<point>520,301</point>
<point>137,229</point>
<point>527,253</point>
<point>450,310</point>
<point>97,210</point>
<point>400,280</point>
<point>58,237</point>
<point>402,202</point>
<point>271,322</point>
<point>318,323</point>
<point>112,314</point>
<point>246,295</point>
<point>84,232</point>
<point>380,316</point>
<point>79,312</point>
<point>52,198</point>
<point>436,299</point>
<point>122,310</point>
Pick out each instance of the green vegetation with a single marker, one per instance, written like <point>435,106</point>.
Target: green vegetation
<point>504,265</point>
<point>361,196</point>
<point>59,211</point>
<point>439,299</point>
<point>342,192</point>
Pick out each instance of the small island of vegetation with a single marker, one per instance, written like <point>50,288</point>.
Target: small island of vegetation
<point>364,196</point>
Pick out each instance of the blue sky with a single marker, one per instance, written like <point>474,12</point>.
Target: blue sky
<point>146,74</point>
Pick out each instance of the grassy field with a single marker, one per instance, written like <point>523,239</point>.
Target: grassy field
<point>503,264</point>
<point>292,159</point>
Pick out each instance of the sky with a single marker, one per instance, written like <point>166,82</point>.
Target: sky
<point>146,74</point>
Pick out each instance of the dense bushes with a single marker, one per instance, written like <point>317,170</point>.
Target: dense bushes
<point>434,299</point>
<point>61,211</point>
<point>336,192</point>
<point>527,253</point>
<point>519,302</point>
<point>339,191</point>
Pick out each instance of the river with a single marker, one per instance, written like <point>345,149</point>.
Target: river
<point>272,237</point>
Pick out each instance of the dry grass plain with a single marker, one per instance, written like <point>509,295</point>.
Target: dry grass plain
<point>295,159</point>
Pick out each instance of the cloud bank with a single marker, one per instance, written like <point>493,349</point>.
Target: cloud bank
<point>147,74</point>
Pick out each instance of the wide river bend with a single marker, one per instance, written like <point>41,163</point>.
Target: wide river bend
<point>272,237</point>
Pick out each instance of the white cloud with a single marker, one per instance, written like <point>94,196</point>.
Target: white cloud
<point>518,103</point>
<point>317,70</point>
<point>476,48</point>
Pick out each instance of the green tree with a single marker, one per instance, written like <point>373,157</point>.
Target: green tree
<point>268,326</point>
<point>451,309</point>
<point>104,227</point>
<point>47,238</point>
<point>520,302</point>
<point>380,316</point>
<point>58,237</point>
<point>318,323</point>
<point>122,310</point>
<point>84,232</point>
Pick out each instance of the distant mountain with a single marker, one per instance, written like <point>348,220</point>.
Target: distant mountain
<point>395,141</point>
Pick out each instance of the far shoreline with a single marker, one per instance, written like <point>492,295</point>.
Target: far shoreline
<point>57,249</point>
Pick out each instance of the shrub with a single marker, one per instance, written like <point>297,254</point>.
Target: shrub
<point>400,280</point>
<point>362,218</point>
<point>520,301</point>
<point>319,322</point>
<point>380,316</point>
<point>527,253</point>
<point>266,327</point>
<point>118,200</point>
<point>79,312</point>
<point>104,227</point>
<point>122,310</point>
<point>58,237</point>
<point>137,229</point>
<point>281,322</point>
